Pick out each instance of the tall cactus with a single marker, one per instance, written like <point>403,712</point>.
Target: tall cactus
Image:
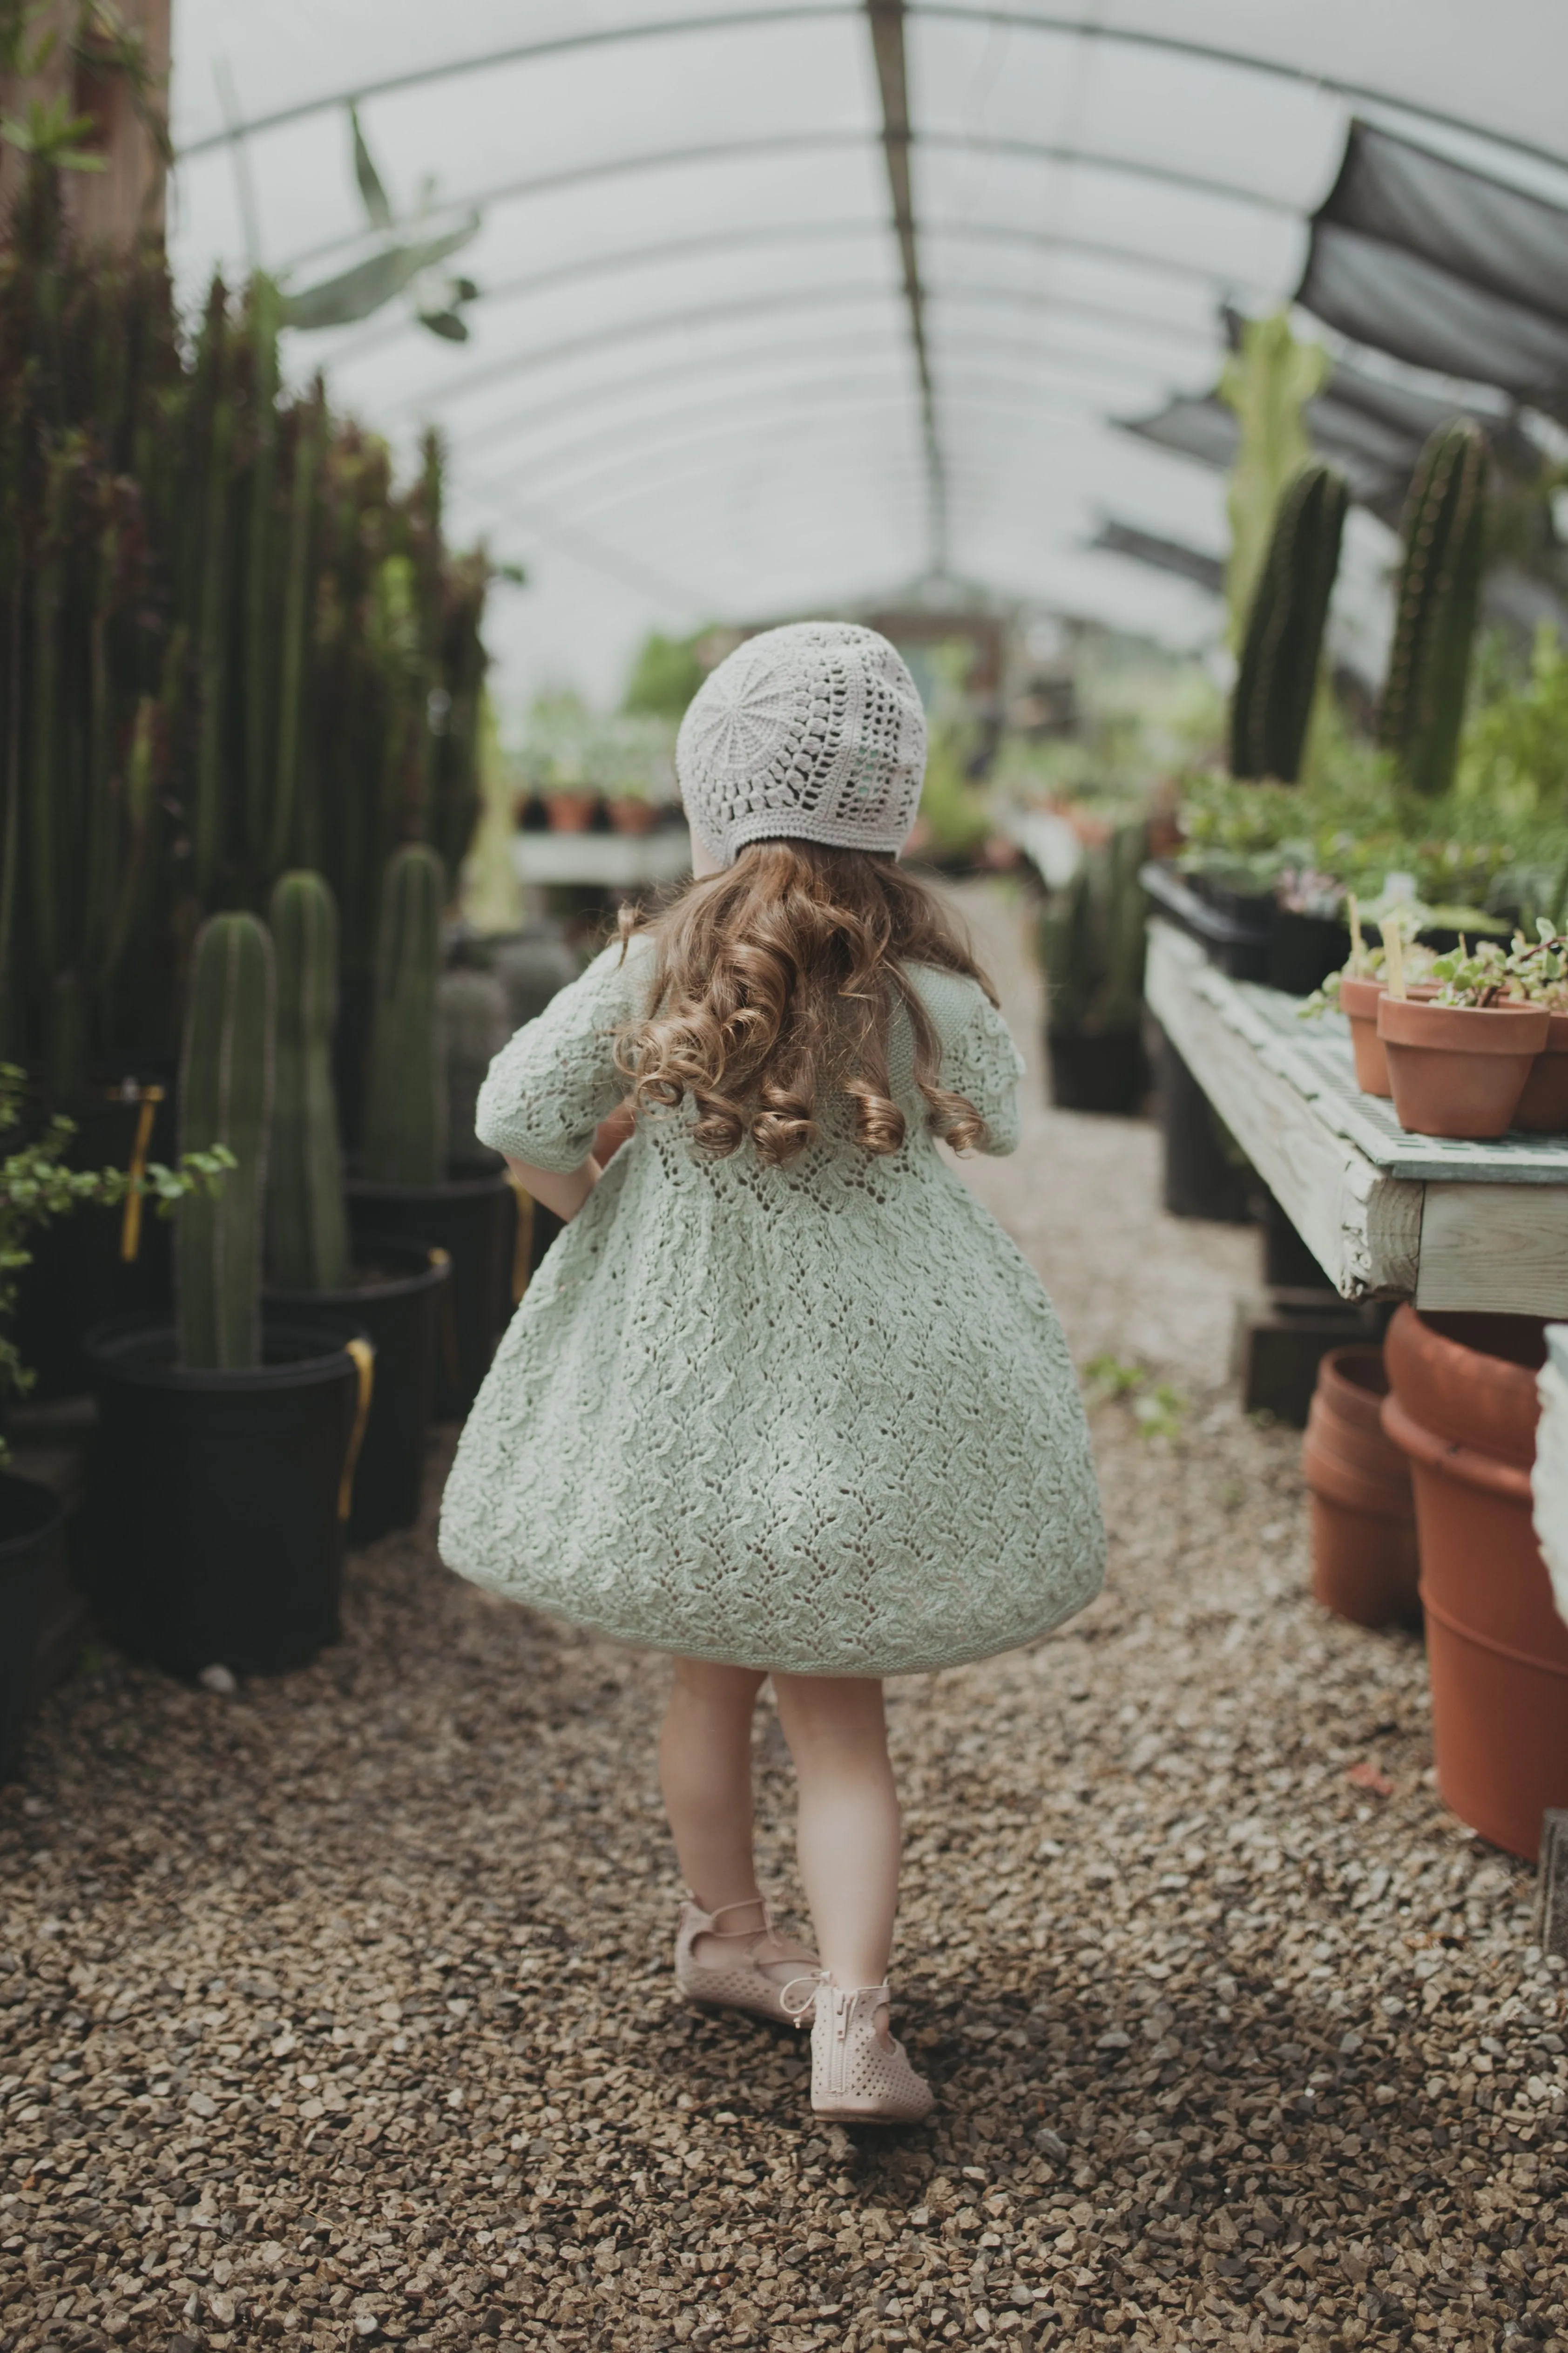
<point>1436,606</point>
<point>226,1097</point>
<point>306,1226</point>
<point>405,1140</point>
<point>474,1028</point>
<point>1280,650</point>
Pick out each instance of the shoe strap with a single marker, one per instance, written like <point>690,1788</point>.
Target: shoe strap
<point>747,1904</point>
<point>811,1979</point>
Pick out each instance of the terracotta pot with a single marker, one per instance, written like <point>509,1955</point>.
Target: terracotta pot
<point>1364,1513</point>
<point>1463,1408</point>
<point>1358,1003</point>
<point>1458,1069</point>
<point>569,812</point>
<point>1544,1106</point>
<point>630,816</point>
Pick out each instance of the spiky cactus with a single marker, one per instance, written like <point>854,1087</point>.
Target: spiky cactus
<point>406,1092</point>
<point>474,1027</point>
<point>226,1097</point>
<point>307,1228</point>
<point>1436,606</point>
<point>1280,650</point>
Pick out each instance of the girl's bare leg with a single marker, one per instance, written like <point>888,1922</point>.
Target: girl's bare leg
<point>847,1826</point>
<point>705,1770</point>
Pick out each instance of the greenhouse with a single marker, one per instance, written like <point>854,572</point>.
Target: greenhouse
<point>783,1216</point>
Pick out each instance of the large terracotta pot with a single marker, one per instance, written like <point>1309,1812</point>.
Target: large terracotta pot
<point>1463,1408</point>
<point>1458,1069</point>
<point>1544,1106</point>
<point>1363,1512</point>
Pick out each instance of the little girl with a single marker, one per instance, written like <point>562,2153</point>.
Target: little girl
<point>783,1399</point>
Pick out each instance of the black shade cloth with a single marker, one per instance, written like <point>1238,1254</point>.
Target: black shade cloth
<point>1494,237</point>
<point>1401,303</point>
<point>1162,554</point>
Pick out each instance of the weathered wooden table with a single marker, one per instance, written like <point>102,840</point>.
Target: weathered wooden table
<point>1387,1215</point>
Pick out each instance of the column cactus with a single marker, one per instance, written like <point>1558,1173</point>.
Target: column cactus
<point>307,1229</point>
<point>404,1130</point>
<point>475,1028</point>
<point>226,1097</point>
<point>1282,644</point>
<point>1436,606</point>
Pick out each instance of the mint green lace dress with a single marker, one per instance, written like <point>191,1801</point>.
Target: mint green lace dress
<point>820,1418</point>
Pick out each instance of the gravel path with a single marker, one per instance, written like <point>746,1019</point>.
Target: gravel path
<point>338,2011</point>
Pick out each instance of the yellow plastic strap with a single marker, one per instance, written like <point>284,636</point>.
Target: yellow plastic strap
<point>131,1222</point>
<point>363,1355</point>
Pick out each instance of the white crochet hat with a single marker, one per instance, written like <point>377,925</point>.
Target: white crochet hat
<point>813,733</point>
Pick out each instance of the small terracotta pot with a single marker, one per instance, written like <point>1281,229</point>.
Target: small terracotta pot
<point>1497,1650</point>
<point>1358,1003</point>
<point>1458,1069</point>
<point>1544,1106</point>
<point>569,812</point>
<point>631,816</point>
<point>1364,1513</point>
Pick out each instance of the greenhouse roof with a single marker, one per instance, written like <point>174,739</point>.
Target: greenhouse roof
<point>784,306</point>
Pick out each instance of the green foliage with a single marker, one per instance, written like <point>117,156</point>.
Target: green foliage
<point>404,1138</point>
<point>1435,604</point>
<point>1092,938</point>
<point>225,1103</point>
<point>1280,653</point>
<point>307,1226</point>
<point>228,644</point>
<point>1268,381</point>
<point>1513,754</point>
<point>1159,1407</point>
<point>665,676</point>
<point>36,1189</point>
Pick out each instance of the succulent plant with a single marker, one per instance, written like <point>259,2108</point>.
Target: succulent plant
<point>1435,604</point>
<point>1282,646</point>
<point>405,1128</point>
<point>306,1226</point>
<point>225,1102</point>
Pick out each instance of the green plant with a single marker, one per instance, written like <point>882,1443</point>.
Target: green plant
<point>1268,381</point>
<point>36,1189</point>
<point>473,1013</point>
<point>1436,604</point>
<point>225,1102</point>
<point>307,1228</point>
<point>665,676</point>
<point>404,1138</point>
<point>1282,646</point>
<point>1092,938</point>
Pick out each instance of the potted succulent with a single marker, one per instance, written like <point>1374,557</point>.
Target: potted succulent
<point>1355,988</point>
<point>221,1473</point>
<point>392,1285</point>
<point>409,1180</point>
<point>1458,1060</point>
<point>1538,972</point>
<point>1091,934</point>
<point>37,1187</point>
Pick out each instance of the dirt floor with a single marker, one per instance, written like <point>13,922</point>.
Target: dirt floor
<point>338,2011</point>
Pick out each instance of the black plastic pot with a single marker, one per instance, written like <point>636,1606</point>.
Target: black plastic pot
<point>216,1500</point>
<point>1304,949</point>
<point>474,1220</point>
<point>1105,1071</point>
<point>80,1274</point>
<point>1233,930</point>
<point>396,1303</point>
<point>32,1548</point>
<point>1202,1179</point>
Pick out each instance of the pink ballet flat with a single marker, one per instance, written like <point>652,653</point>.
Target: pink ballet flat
<point>857,2075</point>
<point>738,1980</point>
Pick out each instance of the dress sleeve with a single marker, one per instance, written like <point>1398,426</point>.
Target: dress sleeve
<point>550,1087</point>
<point>979,1058</point>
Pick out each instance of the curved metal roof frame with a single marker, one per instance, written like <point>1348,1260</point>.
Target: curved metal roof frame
<point>1109,279</point>
<point>1020,19</point>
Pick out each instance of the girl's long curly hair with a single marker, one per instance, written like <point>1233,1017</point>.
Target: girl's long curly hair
<point>774,985</point>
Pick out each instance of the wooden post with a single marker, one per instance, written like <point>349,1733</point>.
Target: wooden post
<point>124,202</point>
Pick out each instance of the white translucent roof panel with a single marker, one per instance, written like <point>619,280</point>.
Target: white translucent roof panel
<point>695,384</point>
